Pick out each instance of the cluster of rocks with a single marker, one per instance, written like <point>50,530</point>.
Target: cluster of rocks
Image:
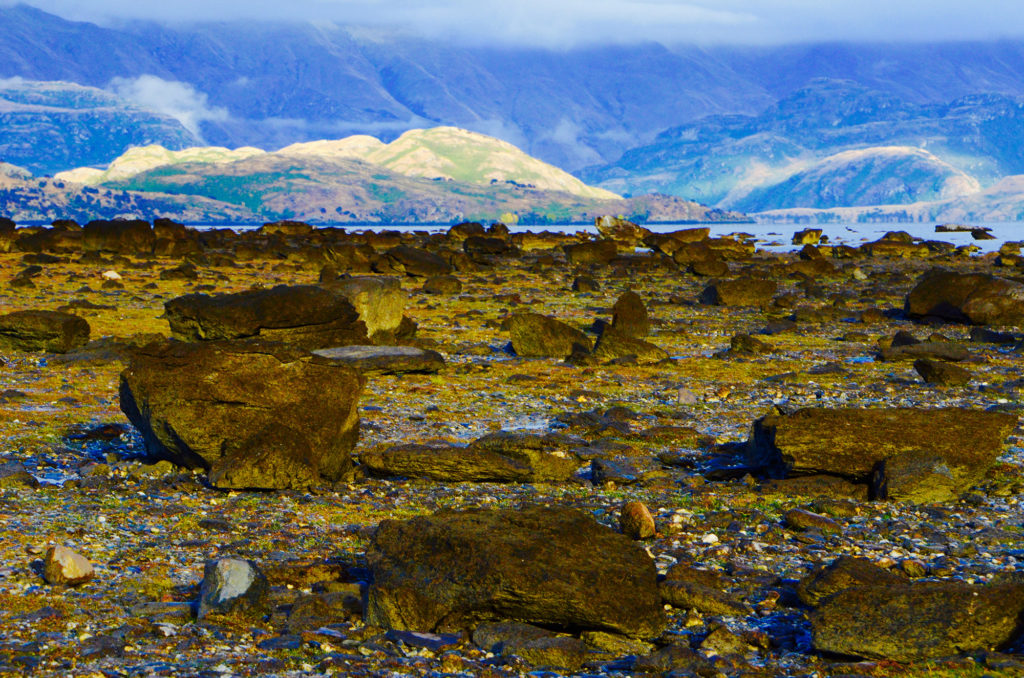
<point>260,390</point>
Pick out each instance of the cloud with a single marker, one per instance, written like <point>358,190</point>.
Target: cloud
<point>573,22</point>
<point>179,100</point>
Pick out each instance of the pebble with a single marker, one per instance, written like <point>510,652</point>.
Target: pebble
<point>64,567</point>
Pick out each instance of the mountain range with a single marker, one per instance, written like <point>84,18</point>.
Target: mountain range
<point>822,126</point>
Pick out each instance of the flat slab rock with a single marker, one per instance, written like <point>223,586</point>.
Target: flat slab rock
<point>502,456</point>
<point>916,621</point>
<point>851,442</point>
<point>549,566</point>
<point>386,359</point>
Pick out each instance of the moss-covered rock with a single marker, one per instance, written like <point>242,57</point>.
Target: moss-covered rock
<point>51,331</point>
<point>550,566</point>
<point>254,415</point>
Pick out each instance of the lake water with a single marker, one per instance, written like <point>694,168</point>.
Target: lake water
<point>773,237</point>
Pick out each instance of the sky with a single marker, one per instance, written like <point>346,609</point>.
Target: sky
<point>552,23</point>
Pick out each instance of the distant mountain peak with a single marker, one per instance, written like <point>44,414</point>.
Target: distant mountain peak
<point>436,153</point>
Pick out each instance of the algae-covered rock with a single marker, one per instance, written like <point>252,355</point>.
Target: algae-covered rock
<point>384,359</point>
<point>549,566</point>
<point>51,331</point>
<point>272,415</point>
<point>917,621</point>
<point>974,298</point>
<point>739,292</point>
<point>629,316</point>
<point>613,344</point>
<point>534,335</point>
<point>473,463</point>
<point>232,586</point>
<point>586,253</point>
<point>379,301</point>
<point>851,442</point>
<point>308,316</point>
<point>416,262</point>
<point>841,574</point>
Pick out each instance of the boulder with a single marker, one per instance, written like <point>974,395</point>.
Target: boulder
<point>687,254</point>
<point>384,359</point>
<point>272,415</point>
<point>916,478</point>
<point>929,350</point>
<point>614,344</point>
<point>917,621</point>
<point>739,292</point>
<point>942,373</point>
<point>52,331</point>
<point>534,335</point>
<point>974,298</point>
<point>808,236</point>
<point>442,284</point>
<point>841,574</point>
<point>477,246</point>
<point>286,228</point>
<point>466,229</point>
<point>553,567</point>
<point>623,230</point>
<point>636,521</point>
<point>379,301</point>
<point>742,343</point>
<point>585,283</point>
<point>504,456</point>
<point>594,252</point>
<point>852,442</point>
<point>232,586</point>
<point>65,567</point>
<point>629,315</point>
<point>416,262</point>
<point>121,236</point>
<point>468,464</point>
<point>307,316</point>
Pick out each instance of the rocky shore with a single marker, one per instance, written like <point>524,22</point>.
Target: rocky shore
<point>299,451</point>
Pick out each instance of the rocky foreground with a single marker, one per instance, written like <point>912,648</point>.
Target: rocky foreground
<point>295,452</point>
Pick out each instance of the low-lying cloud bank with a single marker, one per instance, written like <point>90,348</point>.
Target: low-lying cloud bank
<point>577,22</point>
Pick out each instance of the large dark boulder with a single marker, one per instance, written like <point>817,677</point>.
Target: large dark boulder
<point>841,574</point>
<point>534,335</point>
<point>417,262</point>
<point>739,292</point>
<point>481,246</point>
<point>303,315</point>
<point>254,415</point>
<point>917,621</point>
<point>594,252</point>
<point>51,331</point>
<point>629,315</point>
<point>121,236</point>
<point>553,567</point>
<point>975,298</point>
<point>852,442</point>
<point>614,344</point>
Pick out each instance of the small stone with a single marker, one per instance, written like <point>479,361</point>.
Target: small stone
<point>941,373</point>
<point>636,521</point>
<point>64,567</point>
<point>232,585</point>
<point>798,519</point>
<point>685,396</point>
